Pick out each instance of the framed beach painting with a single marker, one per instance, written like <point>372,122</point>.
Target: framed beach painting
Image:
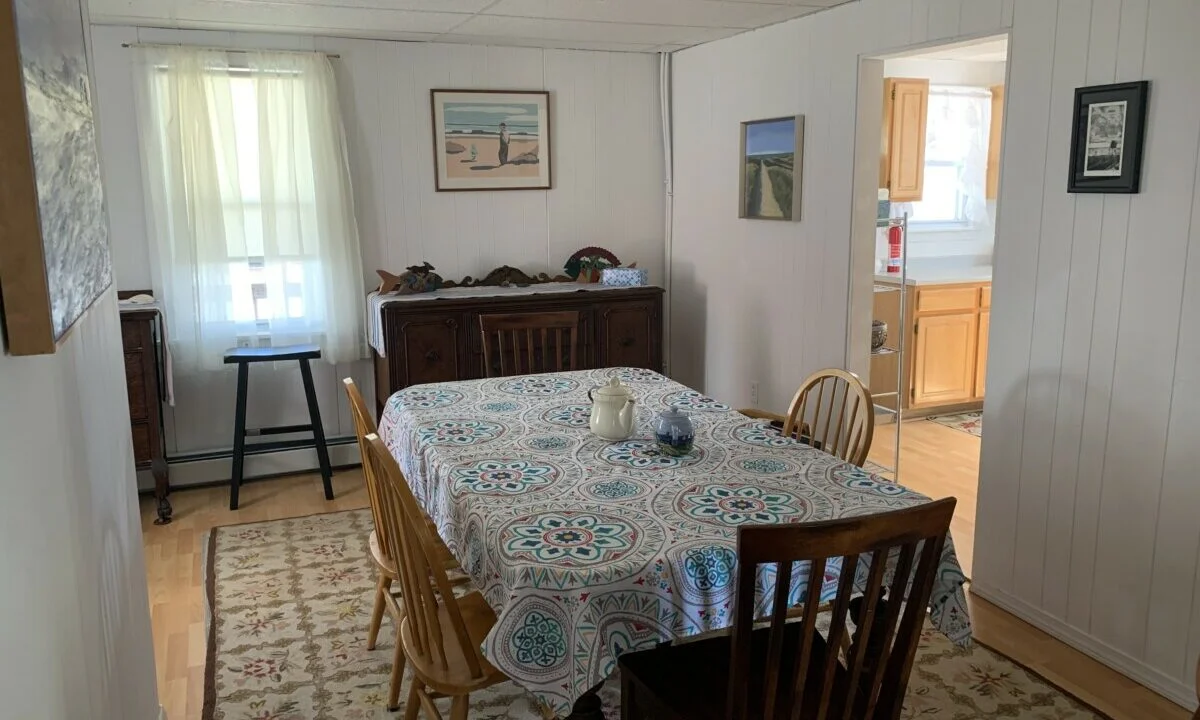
<point>54,252</point>
<point>1107,138</point>
<point>771,167</point>
<point>491,139</point>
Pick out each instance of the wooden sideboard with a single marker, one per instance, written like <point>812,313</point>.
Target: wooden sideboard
<point>140,341</point>
<point>439,340</point>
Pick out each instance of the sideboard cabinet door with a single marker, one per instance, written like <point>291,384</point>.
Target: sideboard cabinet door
<point>427,348</point>
<point>629,335</point>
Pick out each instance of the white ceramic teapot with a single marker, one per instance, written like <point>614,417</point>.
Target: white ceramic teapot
<point>613,410</point>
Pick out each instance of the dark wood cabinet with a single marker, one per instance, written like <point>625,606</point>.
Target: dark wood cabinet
<point>438,339</point>
<point>139,339</point>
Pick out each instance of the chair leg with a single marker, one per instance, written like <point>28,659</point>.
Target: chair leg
<point>239,435</point>
<point>459,707</point>
<point>314,417</point>
<point>413,706</point>
<point>382,586</point>
<point>397,674</point>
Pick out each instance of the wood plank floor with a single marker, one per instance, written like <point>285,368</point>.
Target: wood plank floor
<point>936,460</point>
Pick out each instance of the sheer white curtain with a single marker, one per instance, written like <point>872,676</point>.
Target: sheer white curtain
<point>956,145</point>
<point>248,202</point>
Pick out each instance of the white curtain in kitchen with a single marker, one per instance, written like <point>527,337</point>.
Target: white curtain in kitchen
<point>248,202</point>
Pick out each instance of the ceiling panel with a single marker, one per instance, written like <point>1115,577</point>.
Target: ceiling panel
<point>627,25</point>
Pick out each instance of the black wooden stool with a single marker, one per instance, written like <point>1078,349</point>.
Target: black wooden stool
<point>243,357</point>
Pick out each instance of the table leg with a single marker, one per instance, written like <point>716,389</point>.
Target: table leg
<point>587,707</point>
<point>162,488</point>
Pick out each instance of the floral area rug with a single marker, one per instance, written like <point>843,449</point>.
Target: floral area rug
<point>290,601</point>
<point>971,422</point>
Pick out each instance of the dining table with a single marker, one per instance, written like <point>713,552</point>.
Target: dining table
<point>587,548</point>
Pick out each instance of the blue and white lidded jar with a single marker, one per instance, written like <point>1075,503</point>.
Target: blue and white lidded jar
<point>674,432</point>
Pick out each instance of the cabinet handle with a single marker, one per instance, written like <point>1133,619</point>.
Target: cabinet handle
<point>626,342</point>
<point>433,356</point>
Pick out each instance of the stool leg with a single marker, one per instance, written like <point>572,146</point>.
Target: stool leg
<point>314,417</point>
<point>239,435</point>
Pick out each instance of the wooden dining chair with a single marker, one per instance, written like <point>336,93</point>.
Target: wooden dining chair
<point>383,550</point>
<point>1197,715</point>
<point>546,336</point>
<point>787,669</point>
<point>832,411</point>
<point>441,634</point>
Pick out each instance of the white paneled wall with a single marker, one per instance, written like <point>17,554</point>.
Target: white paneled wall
<point>607,184</point>
<point>1089,492</point>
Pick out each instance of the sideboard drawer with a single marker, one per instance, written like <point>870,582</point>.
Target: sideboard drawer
<point>135,382</point>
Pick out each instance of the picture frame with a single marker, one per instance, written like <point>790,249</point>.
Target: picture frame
<point>491,140</point>
<point>771,150</point>
<point>1108,135</point>
<point>55,258</point>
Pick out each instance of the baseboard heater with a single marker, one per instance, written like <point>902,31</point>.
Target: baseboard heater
<point>213,467</point>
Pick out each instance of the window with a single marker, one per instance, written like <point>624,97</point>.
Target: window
<point>248,197</point>
<point>956,138</point>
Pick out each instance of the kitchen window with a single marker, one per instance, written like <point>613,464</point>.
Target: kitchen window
<point>956,141</point>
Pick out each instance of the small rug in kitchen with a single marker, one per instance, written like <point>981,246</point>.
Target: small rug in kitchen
<point>289,603</point>
<point>971,422</point>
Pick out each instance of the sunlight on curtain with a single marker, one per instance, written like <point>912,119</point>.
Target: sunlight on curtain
<point>956,144</point>
<point>248,198</point>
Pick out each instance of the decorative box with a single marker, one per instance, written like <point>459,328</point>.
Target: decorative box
<point>625,277</point>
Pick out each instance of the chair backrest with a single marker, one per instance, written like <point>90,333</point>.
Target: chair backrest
<point>833,410</point>
<point>423,581</point>
<point>546,336</point>
<point>1197,715</point>
<point>872,682</point>
<point>364,425</point>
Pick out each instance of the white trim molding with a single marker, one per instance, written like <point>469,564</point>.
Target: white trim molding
<point>1171,688</point>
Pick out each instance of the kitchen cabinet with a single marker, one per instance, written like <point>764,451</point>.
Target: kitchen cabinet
<point>946,345</point>
<point>995,133</point>
<point>905,112</point>
<point>944,359</point>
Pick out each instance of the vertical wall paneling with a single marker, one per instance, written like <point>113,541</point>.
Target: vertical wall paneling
<point>607,184</point>
<point>1077,330</point>
<point>1018,230</point>
<point>1149,321</point>
<point>1110,280</point>
<point>1088,498</point>
<point>1050,298</point>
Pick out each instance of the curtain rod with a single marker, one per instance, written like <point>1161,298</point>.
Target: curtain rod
<point>218,49</point>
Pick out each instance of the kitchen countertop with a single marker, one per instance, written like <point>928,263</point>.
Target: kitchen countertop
<point>940,276</point>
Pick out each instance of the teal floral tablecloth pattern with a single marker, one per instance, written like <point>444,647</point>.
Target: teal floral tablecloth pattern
<point>586,548</point>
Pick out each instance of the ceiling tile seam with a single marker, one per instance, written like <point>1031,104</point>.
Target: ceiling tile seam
<point>619,22</point>
<point>473,15</point>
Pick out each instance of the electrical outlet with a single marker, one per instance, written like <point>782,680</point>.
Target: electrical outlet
<point>754,394</point>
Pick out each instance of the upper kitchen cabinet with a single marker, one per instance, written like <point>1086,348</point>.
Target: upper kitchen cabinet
<point>905,109</point>
<point>995,133</point>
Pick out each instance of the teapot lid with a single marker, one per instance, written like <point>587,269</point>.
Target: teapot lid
<point>674,411</point>
<point>613,388</point>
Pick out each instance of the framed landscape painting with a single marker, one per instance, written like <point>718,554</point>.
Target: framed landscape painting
<point>1107,138</point>
<point>54,252</point>
<point>491,139</point>
<point>771,168</point>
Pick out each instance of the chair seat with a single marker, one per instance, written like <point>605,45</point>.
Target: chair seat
<point>271,354</point>
<point>455,679</point>
<point>691,679</point>
<point>388,566</point>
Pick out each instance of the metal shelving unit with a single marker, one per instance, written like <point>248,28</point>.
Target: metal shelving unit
<point>898,350</point>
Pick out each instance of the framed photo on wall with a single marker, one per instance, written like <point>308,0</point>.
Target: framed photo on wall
<point>771,167</point>
<point>1108,137</point>
<point>491,139</point>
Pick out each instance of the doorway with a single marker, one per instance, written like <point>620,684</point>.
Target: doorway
<point>931,134</point>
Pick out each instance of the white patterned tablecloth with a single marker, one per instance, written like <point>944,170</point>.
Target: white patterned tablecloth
<point>586,548</point>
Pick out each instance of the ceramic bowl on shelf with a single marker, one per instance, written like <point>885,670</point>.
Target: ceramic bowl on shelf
<point>878,335</point>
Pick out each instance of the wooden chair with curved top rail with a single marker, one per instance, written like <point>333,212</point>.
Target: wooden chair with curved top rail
<point>550,339</point>
<point>441,634</point>
<point>788,669</point>
<point>832,411</point>
<point>383,552</point>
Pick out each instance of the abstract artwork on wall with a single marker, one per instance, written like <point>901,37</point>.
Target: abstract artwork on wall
<point>771,167</point>
<point>491,139</point>
<point>54,251</point>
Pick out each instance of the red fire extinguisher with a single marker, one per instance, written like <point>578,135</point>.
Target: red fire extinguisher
<point>894,249</point>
